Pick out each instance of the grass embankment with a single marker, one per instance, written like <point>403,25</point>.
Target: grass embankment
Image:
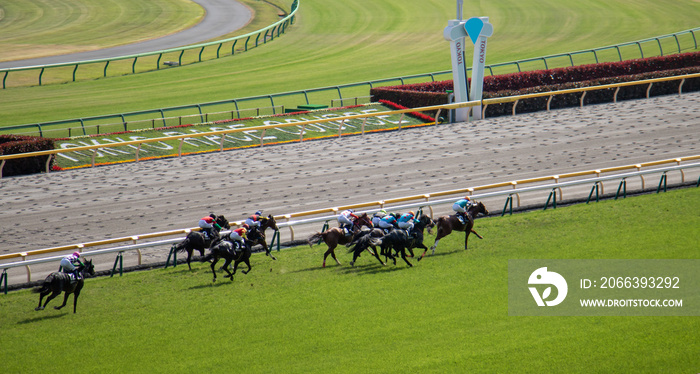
<point>448,313</point>
<point>336,42</point>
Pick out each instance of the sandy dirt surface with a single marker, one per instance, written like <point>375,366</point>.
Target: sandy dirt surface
<point>60,208</point>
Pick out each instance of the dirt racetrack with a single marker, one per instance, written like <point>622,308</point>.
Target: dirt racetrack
<point>82,205</point>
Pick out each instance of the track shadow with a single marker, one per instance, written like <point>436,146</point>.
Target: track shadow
<point>45,317</point>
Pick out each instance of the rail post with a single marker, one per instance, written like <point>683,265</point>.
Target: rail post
<point>554,202</point>
<point>3,280</point>
<point>509,203</point>
<point>597,193</point>
<point>623,187</point>
<point>172,254</point>
<point>119,260</point>
<point>276,236</point>
<point>662,181</point>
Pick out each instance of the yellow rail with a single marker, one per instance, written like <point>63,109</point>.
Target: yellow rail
<point>438,108</point>
<point>372,204</point>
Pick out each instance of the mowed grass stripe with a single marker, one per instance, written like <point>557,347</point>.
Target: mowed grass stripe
<point>336,42</point>
<point>447,314</point>
<point>35,28</point>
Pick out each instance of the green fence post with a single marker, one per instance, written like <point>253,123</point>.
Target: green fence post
<point>623,187</point>
<point>595,188</point>
<point>662,181</point>
<point>74,70</point>
<point>105,70</point>
<point>509,202</point>
<point>117,260</point>
<point>554,203</point>
<point>275,236</point>
<point>40,74</point>
<point>3,280</point>
<point>167,262</point>
<point>133,65</point>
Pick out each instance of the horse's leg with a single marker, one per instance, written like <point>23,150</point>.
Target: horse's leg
<point>75,297</point>
<point>410,250</point>
<point>268,252</point>
<point>41,296</point>
<point>213,268</point>
<point>247,262</point>
<point>477,235</point>
<point>466,237</point>
<point>330,251</point>
<point>376,254</point>
<point>65,300</point>
<point>189,256</point>
<point>51,297</point>
<point>438,235</point>
<point>403,255</point>
<point>226,266</point>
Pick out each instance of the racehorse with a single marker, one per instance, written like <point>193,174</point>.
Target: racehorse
<point>257,236</point>
<point>196,240</point>
<point>227,250</point>
<point>447,224</point>
<point>58,282</point>
<point>334,236</point>
<point>370,240</point>
<point>400,241</point>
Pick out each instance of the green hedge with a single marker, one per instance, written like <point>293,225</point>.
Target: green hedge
<point>435,93</point>
<point>11,144</point>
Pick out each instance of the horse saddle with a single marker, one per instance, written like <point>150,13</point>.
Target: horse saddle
<point>347,231</point>
<point>73,277</point>
<point>462,219</point>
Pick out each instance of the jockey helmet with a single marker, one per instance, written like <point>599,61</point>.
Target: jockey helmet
<point>212,215</point>
<point>467,198</point>
<point>245,226</point>
<point>259,212</point>
<point>382,211</point>
<point>411,213</point>
<point>76,254</point>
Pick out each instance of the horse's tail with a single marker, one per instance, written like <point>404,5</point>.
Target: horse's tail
<point>46,286</point>
<point>315,239</point>
<point>180,247</point>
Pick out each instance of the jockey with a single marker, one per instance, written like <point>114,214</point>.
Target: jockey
<point>238,235</point>
<point>387,222</point>
<point>378,217</point>
<point>406,221</point>
<point>461,206</point>
<point>346,218</point>
<point>207,224</point>
<point>254,220</point>
<point>69,264</point>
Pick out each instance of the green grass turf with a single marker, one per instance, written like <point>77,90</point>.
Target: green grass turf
<point>33,28</point>
<point>449,313</point>
<point>336,42</point>
<point>251,138</point>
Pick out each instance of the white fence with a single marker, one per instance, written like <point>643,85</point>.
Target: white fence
<point>371,207</point>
